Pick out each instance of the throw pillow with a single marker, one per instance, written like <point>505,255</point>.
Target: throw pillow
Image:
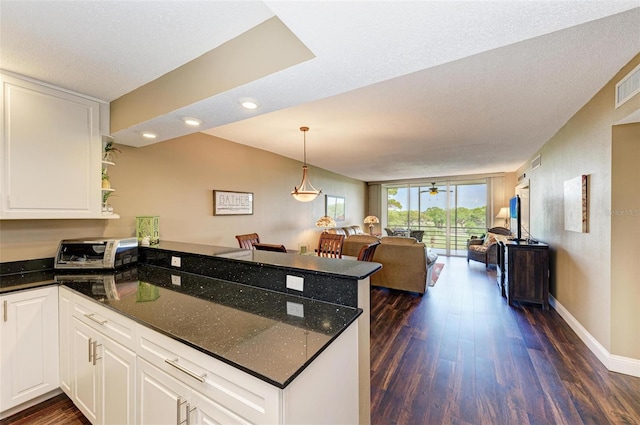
<point>489,239</point>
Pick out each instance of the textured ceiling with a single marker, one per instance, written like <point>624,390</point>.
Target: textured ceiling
<point>396,89</point>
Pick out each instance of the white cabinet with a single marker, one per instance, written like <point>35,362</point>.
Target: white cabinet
<point>100,369</point>
<point>50,152</point>
<point>165,400</point>
<point>28,345</point>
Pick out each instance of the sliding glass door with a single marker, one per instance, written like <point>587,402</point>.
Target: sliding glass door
<point>441,214</point>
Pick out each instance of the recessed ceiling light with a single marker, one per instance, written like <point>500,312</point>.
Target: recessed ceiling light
<point>249,103</point>
<point>192,122</point>
<point>149,135</point>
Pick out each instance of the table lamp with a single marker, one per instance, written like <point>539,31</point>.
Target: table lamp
<point>504,214</point>
<point>325,221</point>
<point>371,220</point>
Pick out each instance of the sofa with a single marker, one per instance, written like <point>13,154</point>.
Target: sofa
<point>347,230</point>
<point>485,248</point>
<point>406,263</point>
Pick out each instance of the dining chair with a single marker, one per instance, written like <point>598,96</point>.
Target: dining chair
<point>330,245</point>
<point>247,241</point>
<point>367,251</point>
<point>269,247</point>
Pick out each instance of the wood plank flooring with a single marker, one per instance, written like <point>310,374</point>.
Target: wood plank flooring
<point>55,411</point>
<point>461,355</point>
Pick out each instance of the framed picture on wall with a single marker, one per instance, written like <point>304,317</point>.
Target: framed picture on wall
<point>334,207</point>
<point>232,203</point>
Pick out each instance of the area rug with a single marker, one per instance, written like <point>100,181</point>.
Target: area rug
<point>435,273</point>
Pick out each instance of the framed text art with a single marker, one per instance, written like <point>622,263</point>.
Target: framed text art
<point>575,205</point>
<point>232,203</point>
<point>334,207</point>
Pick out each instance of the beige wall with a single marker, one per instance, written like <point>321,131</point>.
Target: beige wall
<point>582,263</point>
<point>175,180</point>
<point>625,241</point>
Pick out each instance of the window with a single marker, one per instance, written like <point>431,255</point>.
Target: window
<point>448,212</point>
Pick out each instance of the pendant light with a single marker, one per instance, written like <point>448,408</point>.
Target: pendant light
<point>306,192</point>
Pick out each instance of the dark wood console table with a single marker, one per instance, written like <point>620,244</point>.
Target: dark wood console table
<point>526,273</point>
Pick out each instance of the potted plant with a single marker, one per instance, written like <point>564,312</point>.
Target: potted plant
<point>109,151</point>
<point>105,199</point>
<point>105,179</point>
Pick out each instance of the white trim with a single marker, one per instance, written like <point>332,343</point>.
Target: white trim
<point>612,362</point>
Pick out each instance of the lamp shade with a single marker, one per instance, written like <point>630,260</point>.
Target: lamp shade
<point>371,219</point>
<point>504,215</point>
<point>305,192</point>
<point>325,221</point>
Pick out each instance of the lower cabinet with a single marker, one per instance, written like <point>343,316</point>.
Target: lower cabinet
<point>97,372</point>
<point>28,345</point>
<point>163,399</point>
<point>104,377</point>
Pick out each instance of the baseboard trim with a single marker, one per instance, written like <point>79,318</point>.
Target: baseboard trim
<point>612,362</point>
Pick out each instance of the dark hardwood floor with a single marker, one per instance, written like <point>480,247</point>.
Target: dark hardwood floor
<point>58,410</point>
<point>461,355</point>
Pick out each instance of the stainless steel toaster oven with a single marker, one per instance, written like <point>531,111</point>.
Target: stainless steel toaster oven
<point>96,253</point>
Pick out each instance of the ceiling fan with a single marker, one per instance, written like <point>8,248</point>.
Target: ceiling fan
<point>433,190</point>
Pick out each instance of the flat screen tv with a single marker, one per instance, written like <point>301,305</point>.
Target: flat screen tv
<point>516,217</point>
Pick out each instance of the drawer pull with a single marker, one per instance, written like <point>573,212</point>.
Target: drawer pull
<point>5,310</point>
<point>183,369</point>
<point>90,316</point>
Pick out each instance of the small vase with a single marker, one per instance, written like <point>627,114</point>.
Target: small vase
<point>106,184</point>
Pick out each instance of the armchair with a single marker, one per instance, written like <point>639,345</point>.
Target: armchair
<point>485,249</point>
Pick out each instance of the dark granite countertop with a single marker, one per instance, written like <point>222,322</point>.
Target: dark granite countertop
<point>349,268</point>
<point>270,335</point>
<point>26,280</point>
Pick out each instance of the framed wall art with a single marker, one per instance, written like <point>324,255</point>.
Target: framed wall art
<point>575,204</point>
<point>232,203</point>
<point>334,207</point>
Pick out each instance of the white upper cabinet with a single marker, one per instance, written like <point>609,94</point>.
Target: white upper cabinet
<point>50,152</point>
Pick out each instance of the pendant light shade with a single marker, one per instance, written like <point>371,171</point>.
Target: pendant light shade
<point>305,192</point>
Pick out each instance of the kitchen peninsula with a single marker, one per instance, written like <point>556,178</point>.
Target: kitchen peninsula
<point>217,331</point>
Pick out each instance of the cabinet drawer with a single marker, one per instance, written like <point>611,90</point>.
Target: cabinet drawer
<point>246,396</point>
<point>110,323</point>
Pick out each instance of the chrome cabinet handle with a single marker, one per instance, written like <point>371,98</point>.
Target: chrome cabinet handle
<point>189,410</point>
<point>4,314</point>
<point>90,345</point>
<point>179,403</point>
<point>183,369</point>
<point>90,316</point>
<point>95,353</point>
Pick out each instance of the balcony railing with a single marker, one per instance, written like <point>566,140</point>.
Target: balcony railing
<point>436,238</point>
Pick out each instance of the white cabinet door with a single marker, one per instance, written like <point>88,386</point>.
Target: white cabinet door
<point>102,370</point>
<point>161,398</point>
<point>117,367</point>
<point>85,375</point>
<point>28,345</point>
<point>50,152</point>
